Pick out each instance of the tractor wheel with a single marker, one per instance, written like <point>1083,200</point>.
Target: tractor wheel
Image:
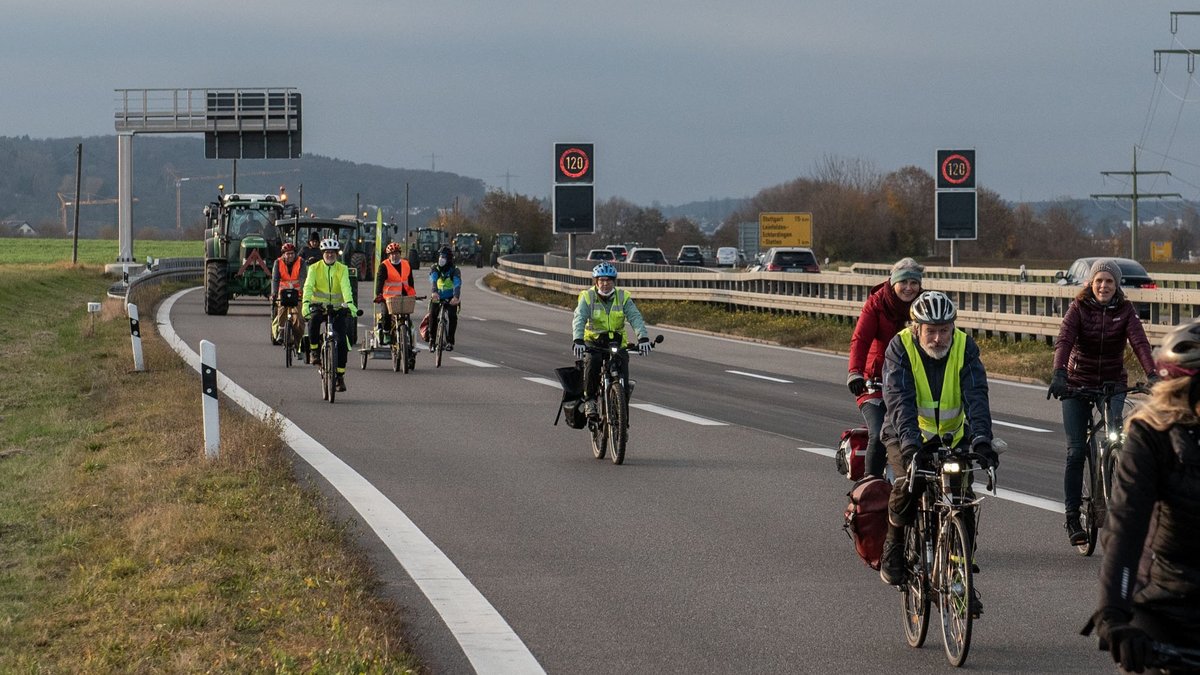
<point>414,259</point>
<point>216,287</point>
<point>359,262</point>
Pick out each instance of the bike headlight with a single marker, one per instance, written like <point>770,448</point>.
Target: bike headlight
<point>951,467</point>
<point>1113,437</point>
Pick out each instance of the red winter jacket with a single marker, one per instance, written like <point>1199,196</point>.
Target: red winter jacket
<point>883,315</point>
<point>1091,341</point>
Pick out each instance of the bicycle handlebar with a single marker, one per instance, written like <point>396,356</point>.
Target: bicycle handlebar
<point>1163,655</point>
<point>941,454</point>
<point>1106,390</point>
<point>627,347</point>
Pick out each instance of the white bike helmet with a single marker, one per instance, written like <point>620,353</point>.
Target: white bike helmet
<point>932,307</point>
<point>330,244</point>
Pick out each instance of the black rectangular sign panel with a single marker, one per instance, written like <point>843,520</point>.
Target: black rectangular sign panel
<point>574,209</point>
<point>956,215</point>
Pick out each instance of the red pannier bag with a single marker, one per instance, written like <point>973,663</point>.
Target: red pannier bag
<point>851,453</point>
<point>423,329</point>
<point>867,518</point>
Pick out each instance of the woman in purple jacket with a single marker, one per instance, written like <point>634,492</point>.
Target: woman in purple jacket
<point>1090,351</point>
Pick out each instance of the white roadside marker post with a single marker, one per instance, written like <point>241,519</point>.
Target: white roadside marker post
<point>208,391</point>
<point>135,335</point>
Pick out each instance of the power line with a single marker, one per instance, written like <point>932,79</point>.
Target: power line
<point>1135,196</point>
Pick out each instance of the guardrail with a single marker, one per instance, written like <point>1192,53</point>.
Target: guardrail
<point>161,270</point>
<point>1171,281</point>
<point>1015,311</point>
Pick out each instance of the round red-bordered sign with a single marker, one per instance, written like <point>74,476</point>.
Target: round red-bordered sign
<point>574,169</point>
<point>955,159</point>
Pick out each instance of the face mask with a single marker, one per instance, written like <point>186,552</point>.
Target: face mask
<point>442,262</point>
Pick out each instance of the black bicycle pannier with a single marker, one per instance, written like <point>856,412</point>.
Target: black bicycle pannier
<point>571,380</point>
<point>289,297</point>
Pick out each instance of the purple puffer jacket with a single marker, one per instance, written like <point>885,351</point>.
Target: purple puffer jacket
<point>1091,342</point>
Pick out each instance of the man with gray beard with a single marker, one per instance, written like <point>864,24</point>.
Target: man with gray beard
<point>934,385</point>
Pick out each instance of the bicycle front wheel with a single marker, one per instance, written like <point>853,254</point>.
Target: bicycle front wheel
<point>287,342</point>
<point>1088,511</point>
<point>328,368</point>
<point>406,349</point>
<point>954,596</point>
<point>916,590</point>
<point>441,340</point>
<point>618,428</point>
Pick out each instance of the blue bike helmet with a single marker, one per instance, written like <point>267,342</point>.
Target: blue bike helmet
<point>604,270</point>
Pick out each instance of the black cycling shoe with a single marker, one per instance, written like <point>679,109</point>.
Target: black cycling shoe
<point>340,383</point>
<point>891,563</point>
<point>449,346</point>
<point>976,604</point>
<point>1075,531</point>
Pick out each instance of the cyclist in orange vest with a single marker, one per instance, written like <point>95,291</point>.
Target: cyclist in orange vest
<point>393,278</point>
<point>288,273</point>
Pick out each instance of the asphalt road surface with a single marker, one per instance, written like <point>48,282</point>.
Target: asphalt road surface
<point>716,547</point>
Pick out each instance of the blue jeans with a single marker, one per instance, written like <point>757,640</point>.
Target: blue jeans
<point>876,457</point>
<point>1077,417</point>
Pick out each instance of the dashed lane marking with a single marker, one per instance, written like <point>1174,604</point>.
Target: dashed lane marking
<point>474,362</point>
<point>527,330</point>
<point>694,419</point>
<point>761,377</point>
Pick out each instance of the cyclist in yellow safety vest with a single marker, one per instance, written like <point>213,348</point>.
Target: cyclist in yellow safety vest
<point>393,278</point>
<point>933,385</point>
<point>287,275</point>
<point>328,283</point>
<point>600,317</point>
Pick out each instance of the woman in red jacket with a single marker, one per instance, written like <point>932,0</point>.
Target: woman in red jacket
<point>1090,351</point>
<point>883,315</point>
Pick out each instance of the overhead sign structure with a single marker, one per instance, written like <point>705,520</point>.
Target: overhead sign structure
<point>956,208</point>
<point>784,229</point>
<point>574,203</point>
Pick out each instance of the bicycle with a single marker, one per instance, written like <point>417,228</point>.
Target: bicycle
<point>1168,657</point>
<point>1105,438</point>
<point>400,339</point>
<point>610,427</point>
<point>440,340</point>
<point>939,548</point>
<point>292,344</point>
<point>328,367</point>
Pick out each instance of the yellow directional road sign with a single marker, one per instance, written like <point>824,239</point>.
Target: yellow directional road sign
<point>784,229</point>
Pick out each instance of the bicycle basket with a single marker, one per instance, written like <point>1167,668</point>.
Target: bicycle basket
<point>289,297</point>
<point>401,304</point>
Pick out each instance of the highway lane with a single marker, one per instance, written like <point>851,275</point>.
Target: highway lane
<point>713,548</point>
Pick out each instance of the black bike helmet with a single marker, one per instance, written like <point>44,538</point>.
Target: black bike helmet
<point>933,307</point>
<point>1179,355</point>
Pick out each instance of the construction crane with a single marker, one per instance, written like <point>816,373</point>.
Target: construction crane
<point>180,180</point>
<point>64,202</point>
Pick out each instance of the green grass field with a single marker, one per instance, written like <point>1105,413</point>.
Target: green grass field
<point>94,251</point>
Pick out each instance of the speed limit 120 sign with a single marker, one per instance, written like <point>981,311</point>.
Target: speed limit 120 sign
<point>573,163</point>
<point>956,169</point>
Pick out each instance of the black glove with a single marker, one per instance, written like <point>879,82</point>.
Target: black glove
<point>856,384</point>
<point>1130,646</point>
<point>988,457</point>
<point>910,453</point>
<point>1058,384</point>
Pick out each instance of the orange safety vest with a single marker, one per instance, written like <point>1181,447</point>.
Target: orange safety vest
<point>396,282</point>
<point>290,278</point>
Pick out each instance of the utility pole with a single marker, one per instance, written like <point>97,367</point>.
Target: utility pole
<point>506,176</point>
<point>78,178</point>
<point>1135,196</point>
<point>432,161</point>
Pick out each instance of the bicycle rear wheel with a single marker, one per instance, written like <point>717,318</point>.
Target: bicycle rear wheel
<point>406,348</point>
<point>618,427</point>
<point>956,588</point>
<point>599,430</point>
<point>916,590</point>
<point>1088,512</point>
<point>441,339</point>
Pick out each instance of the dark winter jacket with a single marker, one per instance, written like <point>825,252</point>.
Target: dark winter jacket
<point>883,315</point>
<point>1157,492</point>
<point>900,425</point>
<point>1091,342</point>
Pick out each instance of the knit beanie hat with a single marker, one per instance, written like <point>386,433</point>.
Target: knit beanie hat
<point>1105,265</point>
<point>906,268</point>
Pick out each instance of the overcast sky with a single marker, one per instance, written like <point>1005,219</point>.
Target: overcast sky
<point>685,100</point>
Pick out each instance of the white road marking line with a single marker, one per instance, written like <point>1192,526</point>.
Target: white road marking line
<point>526,330</point>
<point>485,637</point>
<point>761,377</point>
<point>477,318</point>
<point>981,489</point>
<point>1021,426</point>
<point>703,421</point>
<point>474,362</point>
<point>543,380</point>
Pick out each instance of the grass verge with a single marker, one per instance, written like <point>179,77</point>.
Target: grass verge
<point>124,550</point>
<point>95,251</point>
<point>1014,359</point>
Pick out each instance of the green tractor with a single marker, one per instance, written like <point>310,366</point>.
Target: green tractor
<point>505,243</point>
<point>241,242</point>
<point>424,244</point>
<point>468,248</point>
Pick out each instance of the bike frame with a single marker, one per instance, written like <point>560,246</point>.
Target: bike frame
<point>329,348</point>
